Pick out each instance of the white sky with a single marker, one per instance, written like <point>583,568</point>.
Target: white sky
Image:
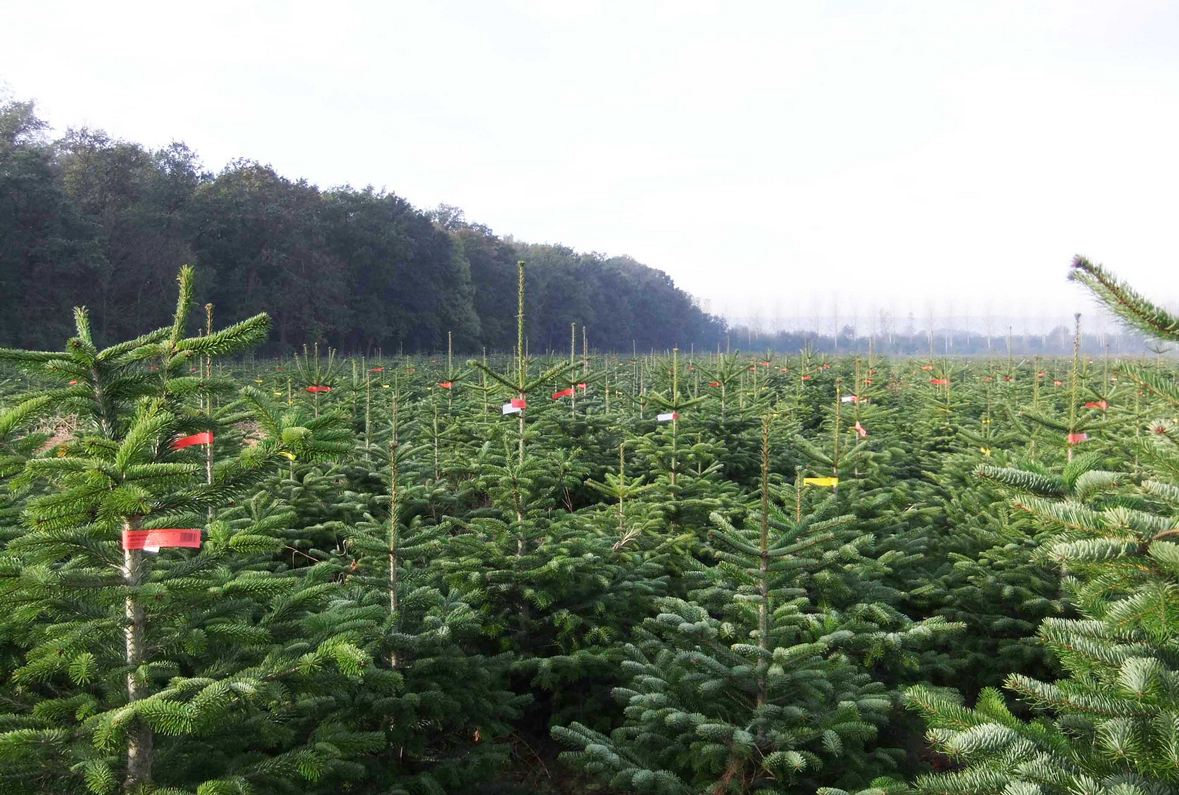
<point>778,158</point>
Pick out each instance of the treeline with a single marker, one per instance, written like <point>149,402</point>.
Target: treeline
<point>87,219</point>
<point>957,342</point>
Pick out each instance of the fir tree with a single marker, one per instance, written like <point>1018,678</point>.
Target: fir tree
<point>752,686</point>
<point>123,673</point>
<point>1108,725</point>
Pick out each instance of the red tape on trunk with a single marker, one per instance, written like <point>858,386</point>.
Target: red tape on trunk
<point>189,441</point>
<point>160,538</point>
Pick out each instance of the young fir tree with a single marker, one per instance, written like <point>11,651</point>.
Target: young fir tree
<point>1109,725</point>
<point>973,561</point>
<point>685,462</point>
<point>1078,420</point>
<point>752,686</point>
<point>144,672</point>
<point>732,413</point>
<point>544,573</point>
<point>449,714</point>
<point>979,567</point>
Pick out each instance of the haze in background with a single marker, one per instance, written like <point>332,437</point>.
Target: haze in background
<point>788,163</point>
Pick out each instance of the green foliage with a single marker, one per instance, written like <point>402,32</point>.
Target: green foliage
<point>760,683</point>
<point>400,589</point>
<point>105,222</point>
<point>121,657</point>
<point>1107,724</point>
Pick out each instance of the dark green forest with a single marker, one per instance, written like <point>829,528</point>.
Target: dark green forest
<point>88,219</point>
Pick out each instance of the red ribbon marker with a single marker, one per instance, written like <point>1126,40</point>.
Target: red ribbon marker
<point>807,377</point>
<point>940,381</point>
<point>155,540</point>
<point>1077,438</point>
<point>376,369</point>
<point>1097,404</point>
<point>564,393</point>
<point>73,383</point>
<point>1058,382</point>
<point>196,438</point>
<point>582,387</point>
<point>318,388</point>
<point>714,383</point>
<point>519,403</point>
<point>446,384</point>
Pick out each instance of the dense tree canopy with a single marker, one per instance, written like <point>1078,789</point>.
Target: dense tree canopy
<point>91,220</point>
<point>88,219</point>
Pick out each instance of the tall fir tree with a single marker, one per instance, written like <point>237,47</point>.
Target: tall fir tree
<point>145,672</point>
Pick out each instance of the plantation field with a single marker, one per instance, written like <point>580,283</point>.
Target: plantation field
<point>671,573</point>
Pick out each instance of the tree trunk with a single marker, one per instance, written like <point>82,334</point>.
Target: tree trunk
<point>140,738</point>
<point>394,530</point>
<point>763,570</point>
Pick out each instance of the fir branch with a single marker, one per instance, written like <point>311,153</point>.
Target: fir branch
<point>1125,302</point>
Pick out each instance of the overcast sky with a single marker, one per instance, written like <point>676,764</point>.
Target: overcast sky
<point>777,159</point>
